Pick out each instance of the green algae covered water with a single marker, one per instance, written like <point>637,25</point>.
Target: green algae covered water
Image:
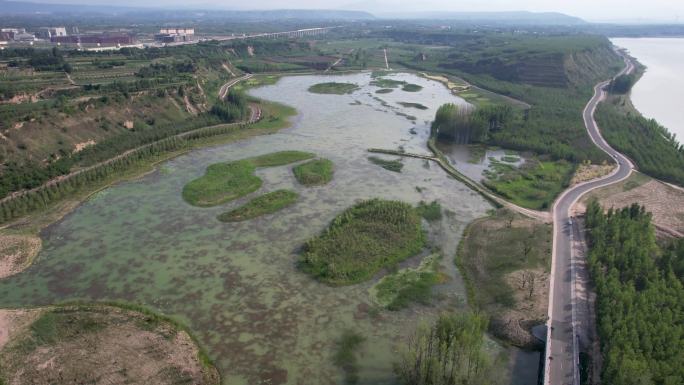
<point>236,285</point>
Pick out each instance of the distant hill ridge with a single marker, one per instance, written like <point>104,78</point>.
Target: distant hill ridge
<point>503,18</point>
<point>512,17</point>
<point>26,8</point>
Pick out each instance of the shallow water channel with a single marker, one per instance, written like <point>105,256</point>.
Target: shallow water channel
<point>236,285</point>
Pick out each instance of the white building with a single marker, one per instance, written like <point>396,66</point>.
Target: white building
<point>177,31</point>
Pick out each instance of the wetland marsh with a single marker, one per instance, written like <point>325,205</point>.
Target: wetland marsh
<point>236,285</point>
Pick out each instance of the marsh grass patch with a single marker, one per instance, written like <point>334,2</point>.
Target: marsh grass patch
<point>265,204</point>
<point>362,240</point>
<point>346,355</point>
<point>411,87</point>
<point>333,88</point>
<point>390,165</point>
<point>411,285</point>
<point>413,105</point>
<point>224,182</point>
<point>314,172</point>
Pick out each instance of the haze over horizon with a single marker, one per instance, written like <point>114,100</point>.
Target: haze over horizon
<point>602,10</point>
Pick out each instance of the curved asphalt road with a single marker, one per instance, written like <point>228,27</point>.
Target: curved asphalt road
<point>562,352</point>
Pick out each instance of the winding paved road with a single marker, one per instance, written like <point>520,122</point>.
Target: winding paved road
<point>562,350</point>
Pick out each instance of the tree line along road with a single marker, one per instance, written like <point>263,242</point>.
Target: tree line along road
<point>565,323</point>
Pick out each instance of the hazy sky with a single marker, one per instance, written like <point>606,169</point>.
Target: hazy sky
<point>592,10</point>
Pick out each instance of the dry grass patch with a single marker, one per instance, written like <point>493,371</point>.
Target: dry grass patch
<point>664,202</point>
<point>588,171</point>
<point>17,252</point>
<point>15,321</point>
<point>103,345</point>
<point>505,259</point>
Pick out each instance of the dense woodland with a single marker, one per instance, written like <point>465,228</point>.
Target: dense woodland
<point>640,298</point>
<point>464,124</point>
<point>622,84</point>
<point>655,150</point>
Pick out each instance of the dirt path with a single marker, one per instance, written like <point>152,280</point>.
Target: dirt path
<point>223,91</point>
<point>225,67</point>
<point>71,81</point>
<point>333,65</point>
<point>384,51</point>
<point>441,160</point>
<point>189,107</point>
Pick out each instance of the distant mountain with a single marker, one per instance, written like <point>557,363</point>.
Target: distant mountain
<point>30,8</point>
<point>517,17</point>
<point>20,7</point>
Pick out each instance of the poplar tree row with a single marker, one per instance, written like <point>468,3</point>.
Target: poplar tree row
<point>32,200</point>
<point>640,298</point>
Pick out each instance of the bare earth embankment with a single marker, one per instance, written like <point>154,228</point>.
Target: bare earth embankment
<point>97,345</point>
<point>664,202</point>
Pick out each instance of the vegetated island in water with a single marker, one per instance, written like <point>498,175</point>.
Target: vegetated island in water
<point>388,84</point>
<point>224,182</point>
<point>399,290</point>
<point>261,205</point>
<point>363,239</point>
<point>390,165</point>
<point>333,88</point>
<point>413,105</point>
<point>314,172</point>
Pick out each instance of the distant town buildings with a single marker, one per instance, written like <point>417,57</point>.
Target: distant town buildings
<point>60,36</point>
<point>49,32</point>
<point>95,39</point>
<point>9,34</point>
<point>175,35</point>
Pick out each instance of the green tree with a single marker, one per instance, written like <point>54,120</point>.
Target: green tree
<point>449,352</point>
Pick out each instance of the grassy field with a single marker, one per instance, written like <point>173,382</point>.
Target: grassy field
<point>121,345</point>
<point>224,182</point>
<point>314,173</point>
<point>534,185</point>
<point>505,260</point>
<point>399,290</point>
<point>333,88</point>
<point>262,205</point>
<point>391,165</point>
<point>362,240</point>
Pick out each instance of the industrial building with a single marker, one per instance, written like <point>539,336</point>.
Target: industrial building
<point>175,35</point>
<point>8,34</point>
<point>48,33</point>
<point>95,39</point>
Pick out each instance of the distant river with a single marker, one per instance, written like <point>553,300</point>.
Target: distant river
<point>660,91</point>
